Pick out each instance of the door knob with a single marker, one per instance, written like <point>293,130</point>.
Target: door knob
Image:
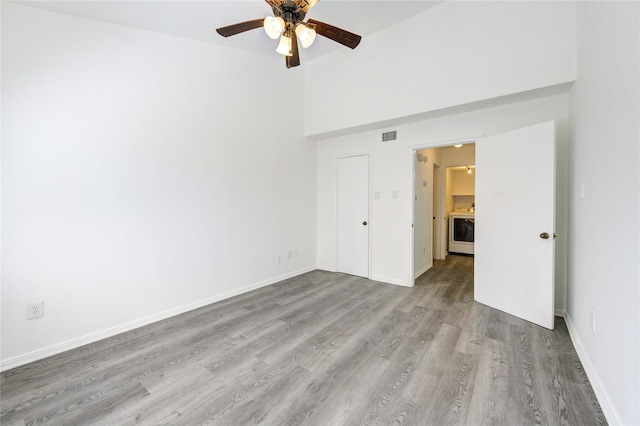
<point>364,223</point>
<point>544,235</point>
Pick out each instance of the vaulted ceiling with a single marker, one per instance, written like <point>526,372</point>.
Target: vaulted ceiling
<point>198,20</point>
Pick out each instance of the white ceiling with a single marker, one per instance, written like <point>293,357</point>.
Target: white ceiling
<point>198,20</point>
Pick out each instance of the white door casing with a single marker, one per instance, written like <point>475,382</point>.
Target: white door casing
<point>515,207</point>
<point>439,234</point>
<point>353,215</point>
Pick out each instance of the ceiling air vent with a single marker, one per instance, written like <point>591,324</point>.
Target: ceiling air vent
<point>389,136</point>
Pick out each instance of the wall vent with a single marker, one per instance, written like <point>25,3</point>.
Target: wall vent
<point>390,136</point>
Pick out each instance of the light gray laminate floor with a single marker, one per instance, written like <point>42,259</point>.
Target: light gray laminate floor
<point>319,349</point>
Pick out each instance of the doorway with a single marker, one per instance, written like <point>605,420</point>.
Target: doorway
<point>514,247</point>
<point>441,184</point>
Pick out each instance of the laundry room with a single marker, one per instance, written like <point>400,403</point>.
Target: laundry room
<point>444,203</point>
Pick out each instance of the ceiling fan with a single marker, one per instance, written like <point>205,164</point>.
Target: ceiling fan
<point>288,23</point>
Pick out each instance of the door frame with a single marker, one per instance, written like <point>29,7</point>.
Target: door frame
<point>369,155</point>
<point>438,249</point>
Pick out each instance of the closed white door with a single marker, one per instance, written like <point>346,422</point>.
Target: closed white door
<point>353,215</point>
<point>515,223</point>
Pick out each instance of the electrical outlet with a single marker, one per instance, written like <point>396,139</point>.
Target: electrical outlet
<point>290,254</point>
<point>35,310</point>
<point>278,259</point>
<point>592,320</point>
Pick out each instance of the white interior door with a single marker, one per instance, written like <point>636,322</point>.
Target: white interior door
<point>515,223</point>
<point>353,215</point>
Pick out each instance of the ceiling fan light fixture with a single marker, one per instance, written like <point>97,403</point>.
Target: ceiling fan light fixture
<point>287,22</point>
<point>273,26</point>
<point>284,48</point>
<point>306,35</point>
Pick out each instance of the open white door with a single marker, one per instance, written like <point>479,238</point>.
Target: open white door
<point>353,215</point>
<point>515,223</point>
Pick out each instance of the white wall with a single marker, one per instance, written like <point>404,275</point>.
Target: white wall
<point>445,75</point>
<point>452,156</point>
<point>452,54</point>
<point>139,178</point>
<point>464,184</point>
<point>604,229</point>
<point>391,169</point>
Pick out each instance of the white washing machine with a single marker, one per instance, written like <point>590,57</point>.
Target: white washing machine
<point>461,231</point>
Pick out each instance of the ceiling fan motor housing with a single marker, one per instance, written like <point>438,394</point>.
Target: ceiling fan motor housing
<point>290,12</point>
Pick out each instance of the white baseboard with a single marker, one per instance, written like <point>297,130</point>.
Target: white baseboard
<point>387,280</point>
<point>608,409</point>
<point>94,337</point>
<point>422,270</point>
<point>372,277</point>
<point>326,268</point>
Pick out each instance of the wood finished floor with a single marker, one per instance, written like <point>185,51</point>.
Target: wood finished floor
<point>319,349</point>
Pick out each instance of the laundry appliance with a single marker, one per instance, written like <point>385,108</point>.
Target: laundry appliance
<point>461,230</point>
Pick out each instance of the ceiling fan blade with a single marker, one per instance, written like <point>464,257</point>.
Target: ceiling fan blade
<point>293,60</point>
<point>336,34</point>
<point>274,3</point>
<point>240,27</point>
